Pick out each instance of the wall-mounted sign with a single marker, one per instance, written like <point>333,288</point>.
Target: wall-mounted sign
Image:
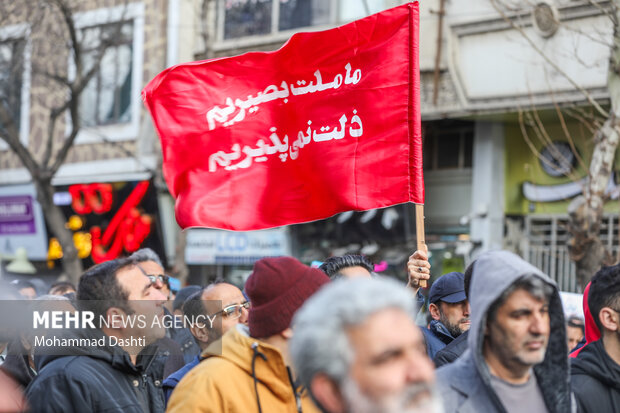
<point>211,246</point>
<point>16,215</point>
<point>21,222</point>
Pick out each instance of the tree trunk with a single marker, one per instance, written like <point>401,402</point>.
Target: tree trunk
<point>586,212</point>
<point>72,264</point>
<point>585,246</point>
<point>180,266</point>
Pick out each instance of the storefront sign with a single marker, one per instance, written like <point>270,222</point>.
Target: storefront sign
<point>21,222</point>
<point>109,220</point>
<point>16,215</point>
<point>211,246</point>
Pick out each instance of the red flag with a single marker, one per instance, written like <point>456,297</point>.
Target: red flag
<point>328,123</point>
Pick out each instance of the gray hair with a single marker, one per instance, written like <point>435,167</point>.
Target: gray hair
<point>320,343</point>
<point>52,297</point>
<point>530,283</point>
<point>144,255</point>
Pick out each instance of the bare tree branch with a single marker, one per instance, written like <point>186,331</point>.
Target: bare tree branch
<point>63,80</point>
<point>585,93</point>
<point>568,135</point>
<point>11,137</point>
<point>523,126</point>
<point>611,15</point>
<point>584,119</point>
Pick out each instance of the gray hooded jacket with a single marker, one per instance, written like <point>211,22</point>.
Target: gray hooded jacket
<point>466,384</point>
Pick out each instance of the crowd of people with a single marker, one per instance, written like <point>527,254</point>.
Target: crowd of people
<point>335,339</point>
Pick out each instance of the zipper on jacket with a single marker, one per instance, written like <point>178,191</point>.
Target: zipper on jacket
<point>297,396</point>
<point>144,376</point>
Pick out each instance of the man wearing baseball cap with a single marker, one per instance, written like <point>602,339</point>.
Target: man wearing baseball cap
<point>449,307</point>
<point>248,370</point>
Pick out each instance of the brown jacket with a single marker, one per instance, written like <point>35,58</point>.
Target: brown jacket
<point>225,381</point>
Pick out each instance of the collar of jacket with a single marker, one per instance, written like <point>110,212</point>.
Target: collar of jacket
<point>236,347</point>
<point>594,361</point>
<point>441,331</point>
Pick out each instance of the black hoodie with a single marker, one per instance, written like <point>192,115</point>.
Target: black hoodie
<point>97,379</point>
<point>596,380</point>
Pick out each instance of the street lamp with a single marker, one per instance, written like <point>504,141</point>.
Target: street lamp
<point>19,263</point>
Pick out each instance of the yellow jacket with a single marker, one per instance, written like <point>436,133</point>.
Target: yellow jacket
<point>223,381</point>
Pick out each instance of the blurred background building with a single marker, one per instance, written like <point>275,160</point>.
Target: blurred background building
<point>492,73</point>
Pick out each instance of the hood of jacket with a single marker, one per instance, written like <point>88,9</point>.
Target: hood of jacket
<point>592,332</point>
<point>594,361</point>
<point>493,273</point>
<point>237,347</point>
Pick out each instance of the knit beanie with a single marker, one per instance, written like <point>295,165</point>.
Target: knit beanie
<point>277,288</point>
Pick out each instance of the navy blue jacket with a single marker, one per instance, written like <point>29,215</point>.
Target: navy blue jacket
<point>172,380</point>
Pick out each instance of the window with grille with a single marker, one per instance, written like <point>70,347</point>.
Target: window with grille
<point>547,237</point>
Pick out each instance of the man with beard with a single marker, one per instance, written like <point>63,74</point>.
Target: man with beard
<point>223,306</point>
<point>355,347</point>
<point>107,371</point>
<point>449,308</point>
<point>595,372</point>
<point>517,357</point>
<point>249,368</point>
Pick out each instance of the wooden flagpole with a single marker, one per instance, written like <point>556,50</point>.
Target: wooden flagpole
<point>419,230</point>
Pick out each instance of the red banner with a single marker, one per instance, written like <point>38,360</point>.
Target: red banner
<point>328,123</point>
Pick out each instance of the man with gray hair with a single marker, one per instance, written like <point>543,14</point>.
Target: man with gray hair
<point>179,342</point>
<point>516,361</point>
<point>150,264</point>
<point>356,348</point>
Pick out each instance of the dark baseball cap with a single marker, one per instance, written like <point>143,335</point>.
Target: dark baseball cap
<point>449,288</point>
<point>183,295</point>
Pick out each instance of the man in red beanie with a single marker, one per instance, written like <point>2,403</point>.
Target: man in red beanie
<point>251,372</point>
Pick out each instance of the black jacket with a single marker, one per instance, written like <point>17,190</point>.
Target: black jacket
<point>96,379</point>
<point>17,363</point>
<point>596,380</point>
<point>452,351</point>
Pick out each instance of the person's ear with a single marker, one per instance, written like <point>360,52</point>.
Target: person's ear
<point>115,317</point>
<point>609,319</point>
<point>327,393</point>
<point>201,332</point>
<point>434,310</point>
<point>287,333</point>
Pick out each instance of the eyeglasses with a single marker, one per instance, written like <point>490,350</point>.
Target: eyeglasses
<point>234,311</point>
<point>153,278</point>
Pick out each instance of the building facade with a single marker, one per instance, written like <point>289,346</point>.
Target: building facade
<point>501,164</point>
